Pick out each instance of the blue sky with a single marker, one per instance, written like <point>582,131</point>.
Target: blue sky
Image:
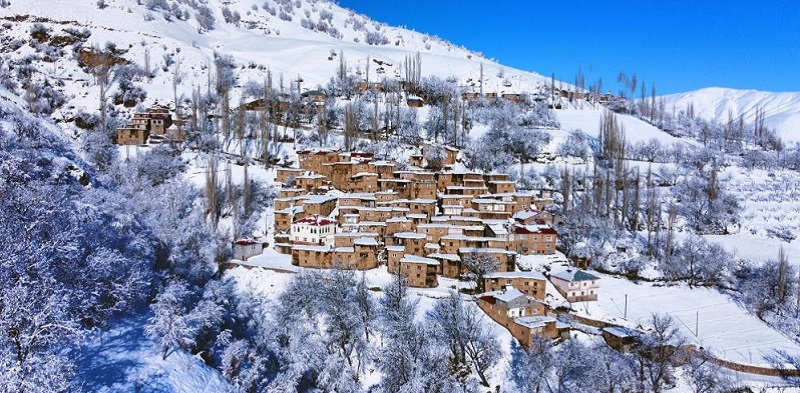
<point>679,45</point>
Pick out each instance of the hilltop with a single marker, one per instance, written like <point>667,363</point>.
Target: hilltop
<point>781,110</point>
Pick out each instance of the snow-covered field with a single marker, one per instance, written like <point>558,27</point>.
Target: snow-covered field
<point>706,318</point>
<point>588,121</point>
<point>769,214</point>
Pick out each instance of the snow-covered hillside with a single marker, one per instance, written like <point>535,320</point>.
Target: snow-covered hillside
<point>286,43</point>
<point>781,110</point>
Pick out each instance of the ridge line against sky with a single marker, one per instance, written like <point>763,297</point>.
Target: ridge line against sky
<point>679,45</point>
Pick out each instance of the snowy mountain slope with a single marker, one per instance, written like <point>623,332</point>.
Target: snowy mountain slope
<point>257,41</point>
<point>124,359</point>
<point>636,130</point>
<point>781,110</point>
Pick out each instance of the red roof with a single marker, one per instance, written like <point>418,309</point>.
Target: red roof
<point>245,242</point>
<point>315,220</point>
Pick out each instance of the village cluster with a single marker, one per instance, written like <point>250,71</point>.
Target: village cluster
<point>348,210</point>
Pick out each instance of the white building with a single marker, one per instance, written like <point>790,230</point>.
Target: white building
<point>576,285</point>
<point>246,248</point>
<point>313,230</point>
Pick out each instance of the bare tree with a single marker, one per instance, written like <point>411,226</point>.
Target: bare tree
<point>479,264</point>
<point>660,349</point>
<point>471,345</point>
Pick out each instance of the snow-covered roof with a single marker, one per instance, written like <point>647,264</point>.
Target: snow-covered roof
<point>303,247</point>
<point>487,200</point>
<point>315,220</point>
<point>364,196</point>
<point>371,223</point>
<point>498,229</point>
<point>290,210</point>
<point>395,248</point>
<point>246,242</point>
<point>432,245</point>
<point>482,250</point>
<point>621,332</point>
<point>543,229</point>
<point>574,275</point>
<point>362,174</point>
<point>449,257</point>
<point>534,322</point>
<point>366,241</point>
<point>410,235</point>
<point>318,198</point>
<point>344,249</point>
<point>531,274</point>
<point>417,259</point>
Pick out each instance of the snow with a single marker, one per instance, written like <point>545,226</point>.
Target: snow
<point>124,359</point>
<point>704,316</point>
<point>781,110</point>
<point>588,121</point>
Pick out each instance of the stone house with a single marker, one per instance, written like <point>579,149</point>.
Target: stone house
<point>357,199</point>
<point>399,224</point>
<point>523,316</point>
<point>384,169</point>
<point>449,264</point>
<point>393,256</point>
<point>507,259</point>
<point>282,175</point>
<point>362,255</point>
<point>435,231</point>
<point>534,239</point>
<point>322,205</point>
<point>311,182</point>
<point>364,182</point>
<point>419,271</point>
<point>318,257</point>
<point>348,239</point>
<point>531,283</point>
<point>291,192</point>
<point>533,217</point>
<point>501,186</point>
<point>492,209</point>
<point>414,243</point>
<point>131,136</point>
<point>507,303</point>
<point>385,197</point>
<point>315,160</point>
<point>284,218</point>
<point>422,206</point>
<point>525,329</point>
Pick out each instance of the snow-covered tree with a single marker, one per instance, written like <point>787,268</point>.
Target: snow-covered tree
<point>478,264</point>
<point>169,326</point>
<point>470,346</point>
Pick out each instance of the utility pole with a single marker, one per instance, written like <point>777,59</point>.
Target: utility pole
<point>696,322</point>
<point>625,315</point>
